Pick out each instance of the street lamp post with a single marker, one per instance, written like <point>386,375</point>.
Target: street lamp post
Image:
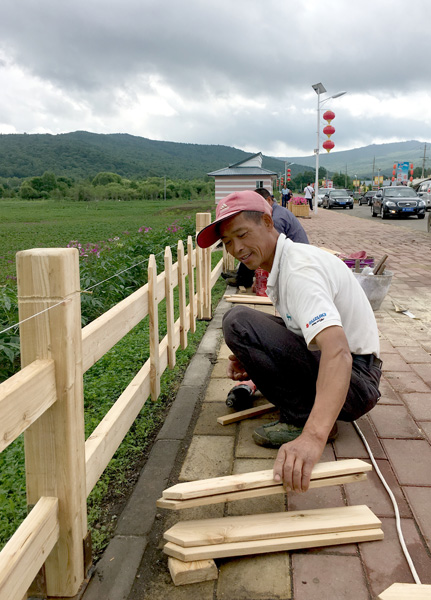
<point>319,88</point>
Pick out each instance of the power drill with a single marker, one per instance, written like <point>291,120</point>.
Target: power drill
<point>240,396</point>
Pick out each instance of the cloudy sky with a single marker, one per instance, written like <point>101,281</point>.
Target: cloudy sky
<point>232,72</point>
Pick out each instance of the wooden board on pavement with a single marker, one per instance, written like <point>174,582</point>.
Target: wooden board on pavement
<point>254,493</point>
<point>277,545</point>
<point>183,573</point>
<point>240,415</point>
<point>258,479</point>
<point>406,591</point>
<point>204,532</point>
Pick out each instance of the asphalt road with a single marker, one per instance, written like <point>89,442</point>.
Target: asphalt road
<point>364,212</point>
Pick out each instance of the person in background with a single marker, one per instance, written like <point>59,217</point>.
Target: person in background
<point>284,222</point>
<point>308,194</point>
<point>285,196</point>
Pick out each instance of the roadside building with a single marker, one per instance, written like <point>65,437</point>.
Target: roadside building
<point>245,175</point>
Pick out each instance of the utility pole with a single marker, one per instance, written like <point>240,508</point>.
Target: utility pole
<point>345,178</point>
<point>423,161</point>
<point>372,178</point>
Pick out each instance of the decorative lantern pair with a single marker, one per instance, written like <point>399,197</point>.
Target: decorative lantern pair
<point>328,130</point>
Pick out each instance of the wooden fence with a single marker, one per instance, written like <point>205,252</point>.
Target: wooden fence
<point>45,399</point>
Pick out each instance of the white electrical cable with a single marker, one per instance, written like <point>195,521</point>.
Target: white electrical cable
<point>394,502</point>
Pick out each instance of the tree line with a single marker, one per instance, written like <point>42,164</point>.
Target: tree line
<point>105,186</point>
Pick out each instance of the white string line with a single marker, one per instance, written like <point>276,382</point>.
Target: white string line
<point>86,290</point>
<point>395,505</point>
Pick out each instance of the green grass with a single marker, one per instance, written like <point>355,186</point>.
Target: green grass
<point>51,223</point>
<point>54,224</point>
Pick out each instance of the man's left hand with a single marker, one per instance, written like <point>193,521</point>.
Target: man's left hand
<point>295,461</point>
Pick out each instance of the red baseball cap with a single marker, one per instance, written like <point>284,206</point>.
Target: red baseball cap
<point>229,207</point>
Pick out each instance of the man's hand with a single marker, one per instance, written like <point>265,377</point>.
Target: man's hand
<point>235,370</point>
<point>295,461</point>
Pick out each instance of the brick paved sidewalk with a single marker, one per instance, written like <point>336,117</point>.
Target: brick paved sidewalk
<point>398,431</point>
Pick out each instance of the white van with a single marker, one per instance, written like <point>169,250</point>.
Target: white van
<point>424,192</point>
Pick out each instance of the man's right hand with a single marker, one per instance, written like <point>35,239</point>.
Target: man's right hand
<point>235,370</point>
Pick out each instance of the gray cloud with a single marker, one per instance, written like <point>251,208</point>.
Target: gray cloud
<point>96,64</point>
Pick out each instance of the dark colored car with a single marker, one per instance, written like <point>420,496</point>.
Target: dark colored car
<point>367,198</point>
<point>337,199</point>
<point>397,200</point>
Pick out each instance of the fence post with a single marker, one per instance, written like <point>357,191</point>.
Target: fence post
<point>191,282</point>
<point>54,444</point>
<point>170,315</point>
<point>153,309</point>
<point>203,266</point>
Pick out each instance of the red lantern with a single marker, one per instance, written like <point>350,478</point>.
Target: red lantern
<point>329,116</point>
<point>394,172</point>
<point>328,145</point>
<point>393,178</point>
<point>329,130</point>
<point>411,178</point>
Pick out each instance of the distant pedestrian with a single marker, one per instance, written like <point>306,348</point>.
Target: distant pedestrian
<point>286,195</point>
<point>308,194</point>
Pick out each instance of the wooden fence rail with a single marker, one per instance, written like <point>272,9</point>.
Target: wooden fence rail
<point>45,399</point>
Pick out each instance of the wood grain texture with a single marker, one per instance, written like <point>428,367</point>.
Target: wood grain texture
<point>406,591</point>
<point>24,397</point>
<point>183,573</point>
<point>254,493</point>
<point>28,548</point>
<point>240,415</point>
<point>204,532</point>
<point>258,479</point>
<point>265,546</point>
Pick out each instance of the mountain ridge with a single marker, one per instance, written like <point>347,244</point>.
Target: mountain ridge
<point>83,154</point>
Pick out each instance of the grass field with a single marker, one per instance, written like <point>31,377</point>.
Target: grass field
<point>25,225</point>
<point>51,223</point>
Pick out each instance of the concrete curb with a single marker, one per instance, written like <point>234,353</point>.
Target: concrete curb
<point>115,572</point>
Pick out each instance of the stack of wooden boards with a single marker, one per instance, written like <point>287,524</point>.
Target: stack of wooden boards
<point>192,546</point>
<point>255,484</point>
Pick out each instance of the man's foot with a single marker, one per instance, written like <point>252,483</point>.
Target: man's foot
<point>227,274</point>
<point>232,281</point>
<point>275,434</point>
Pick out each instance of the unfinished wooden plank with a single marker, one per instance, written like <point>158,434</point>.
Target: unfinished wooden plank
<point>24,397</point>
<point>202,532</point>
<point>277,545</point>
<point>247,299</point>
<point>182,294</point>
<point>254,493</point>
<point>191,284</point>
<point>170,316</point>
<point>183,573</point>
<point>28,549</point>
<point>240,415</point>
<point>406,591</point>
<point>243,481</point>
<point>154,328</point>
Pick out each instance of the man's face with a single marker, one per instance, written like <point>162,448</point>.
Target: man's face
<point>251,243</point>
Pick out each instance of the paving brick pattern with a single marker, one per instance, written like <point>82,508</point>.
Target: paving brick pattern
<point>398,431</point>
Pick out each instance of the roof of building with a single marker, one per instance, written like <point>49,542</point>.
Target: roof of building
<point>249,166</point>
<point>229,171</point>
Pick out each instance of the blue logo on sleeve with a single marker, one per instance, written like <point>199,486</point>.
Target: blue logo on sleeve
<point>316,320</point>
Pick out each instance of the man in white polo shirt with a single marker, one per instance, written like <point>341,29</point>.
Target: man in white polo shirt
<point>319,361</point>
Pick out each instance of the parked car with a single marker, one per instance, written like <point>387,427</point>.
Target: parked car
<point>424,193</point>
<point>320,194</point>
<point>397,200</point>
<point>367,198</point>
<point>337,199</point>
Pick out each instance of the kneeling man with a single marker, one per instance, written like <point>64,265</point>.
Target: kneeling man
<point>319,361</point>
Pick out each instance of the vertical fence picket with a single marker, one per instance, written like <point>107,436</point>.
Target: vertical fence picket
<point>182,294</point>
<point>54,444</point>
<point>204,261</point>
<point>153,311</point>
<point>228,260</point>
<point>170,317</point>
<point>191,281</point>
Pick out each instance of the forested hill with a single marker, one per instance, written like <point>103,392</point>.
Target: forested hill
<point>82,154</point>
